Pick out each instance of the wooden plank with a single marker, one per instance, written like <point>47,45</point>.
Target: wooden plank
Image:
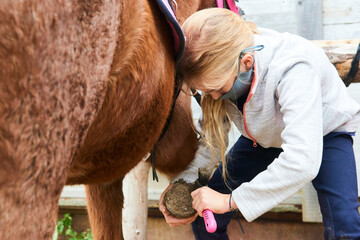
<point>73,192</point>
<point>275,21</point>
<point>259,7</point>
<point>309,19</point>
<point>310,205</point>
<point>79,203</point>
<point>341,31</point>
<point>341,54</point>
<point>341,11</point>
<point>271,14</point>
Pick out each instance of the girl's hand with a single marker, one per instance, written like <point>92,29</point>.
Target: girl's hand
<point>206,198</point>
<point>171,220</point>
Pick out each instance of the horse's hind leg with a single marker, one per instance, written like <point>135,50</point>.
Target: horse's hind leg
<point>105,206</point>
<point>105,203</point>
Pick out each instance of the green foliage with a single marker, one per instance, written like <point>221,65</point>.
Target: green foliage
<point>64,228</point>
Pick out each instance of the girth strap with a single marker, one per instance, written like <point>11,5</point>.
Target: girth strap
<point>168,9</point>
<point>168,120</point>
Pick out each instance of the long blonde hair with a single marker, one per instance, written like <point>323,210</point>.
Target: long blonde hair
<point>214,39</point>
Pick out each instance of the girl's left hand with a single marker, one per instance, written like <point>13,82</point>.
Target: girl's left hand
<point>206,198</point>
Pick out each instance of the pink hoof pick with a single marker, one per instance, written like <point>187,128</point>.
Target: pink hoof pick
<point>210,222</point>
<point>209,219</point>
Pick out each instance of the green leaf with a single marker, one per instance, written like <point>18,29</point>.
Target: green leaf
<point>60,227</point>
<point>67,221</point>
<point>89,235</point>
<point>69,231</point>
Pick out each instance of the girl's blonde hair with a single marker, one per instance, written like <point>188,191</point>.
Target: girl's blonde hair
<point>214,39</point>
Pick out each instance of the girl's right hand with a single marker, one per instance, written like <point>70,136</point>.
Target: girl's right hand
<point>171,220</point>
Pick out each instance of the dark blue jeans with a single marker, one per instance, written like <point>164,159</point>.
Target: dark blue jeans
<point>336,185</point>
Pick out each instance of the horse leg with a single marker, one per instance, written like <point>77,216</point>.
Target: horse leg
<point>30,187</point>
<point>104,204</point>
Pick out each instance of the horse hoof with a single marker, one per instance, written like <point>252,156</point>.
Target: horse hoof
<point>178,200</point>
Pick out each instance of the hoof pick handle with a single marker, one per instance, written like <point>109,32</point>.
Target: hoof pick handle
<point>210,222</point>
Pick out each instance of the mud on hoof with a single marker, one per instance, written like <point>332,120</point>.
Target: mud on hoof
<point>178,200</point>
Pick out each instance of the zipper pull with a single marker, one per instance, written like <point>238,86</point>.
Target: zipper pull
<point>254,144</point>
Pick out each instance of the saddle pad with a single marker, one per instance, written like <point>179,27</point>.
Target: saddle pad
<point>178,35</point>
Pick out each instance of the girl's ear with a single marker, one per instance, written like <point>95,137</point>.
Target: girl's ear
<point>247,61</point>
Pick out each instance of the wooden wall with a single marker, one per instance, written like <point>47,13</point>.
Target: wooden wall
<point>341,19</point>
<point>313,19</point>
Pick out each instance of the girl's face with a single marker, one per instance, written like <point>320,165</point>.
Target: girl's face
<point>246,64</point>
<point>217,93</point>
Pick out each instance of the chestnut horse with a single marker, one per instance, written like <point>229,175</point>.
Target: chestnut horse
<point>85,89</point>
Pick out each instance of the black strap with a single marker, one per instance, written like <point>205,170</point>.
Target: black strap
<point>226,4</point>
<point>197,96</point>
<point>155,176</point>
<point>168,120</point>
<point>353,69</point>
<point>238,220</point>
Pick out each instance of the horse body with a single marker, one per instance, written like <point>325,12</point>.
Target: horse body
<point>137,100</point>
<point>85,90</point>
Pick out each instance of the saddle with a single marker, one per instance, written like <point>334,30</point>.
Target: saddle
<point>177,33</point>
<point>167,8</point>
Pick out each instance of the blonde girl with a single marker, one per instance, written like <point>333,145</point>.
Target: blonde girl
<point>294,114</point>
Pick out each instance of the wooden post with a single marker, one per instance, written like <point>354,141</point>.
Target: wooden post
<point>135,187</point>
<point>309,19</point>
<point>341,54</point>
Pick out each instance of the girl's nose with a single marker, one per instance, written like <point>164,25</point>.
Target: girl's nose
<point>215,95</point>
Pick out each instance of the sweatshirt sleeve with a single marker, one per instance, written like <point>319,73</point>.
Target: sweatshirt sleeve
<point>299,97</point>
